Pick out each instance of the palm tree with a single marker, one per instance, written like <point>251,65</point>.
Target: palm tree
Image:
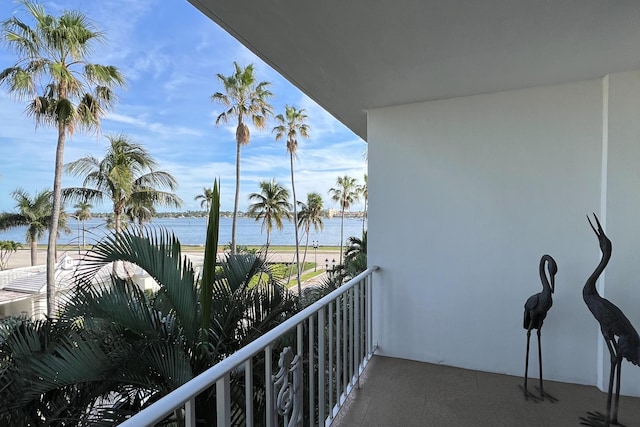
<point>35,213</point>
<point>271,206</point>
<point>364,192</point>
<point>61,87</point>
<point>7,248</point>
<point>310,215</point>
<point>83,213</point>
<point>355,256</point>
<point>345,193</point>
<point>126,176</point>
<point>245,99</point>
<point>205,198</point>
<point>141,210</point>
<point>290,125</point>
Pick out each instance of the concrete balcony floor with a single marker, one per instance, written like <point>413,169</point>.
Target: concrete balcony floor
<point>398,392</point>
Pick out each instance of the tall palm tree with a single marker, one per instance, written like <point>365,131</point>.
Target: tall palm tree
<point>126,175</point>
<point>345,193</point>
<point>35,213</point>
<point>271,206</point>
<point>310,215</point>
<point>83,213</point>
<point>62,88</point>
<point>205,198</point>
<point>291,125</point>
<point>244,98</point>
<point>364,192</point>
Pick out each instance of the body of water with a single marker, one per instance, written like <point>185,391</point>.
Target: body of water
<point>192,231</point>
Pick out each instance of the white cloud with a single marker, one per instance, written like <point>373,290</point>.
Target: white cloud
<point>170,54</point>
<point>155,127</point>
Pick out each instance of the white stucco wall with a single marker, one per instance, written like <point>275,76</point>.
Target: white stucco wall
<point>467,194</point>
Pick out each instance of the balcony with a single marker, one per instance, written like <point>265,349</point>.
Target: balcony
<point>398,392</point>
<point>272,380</point>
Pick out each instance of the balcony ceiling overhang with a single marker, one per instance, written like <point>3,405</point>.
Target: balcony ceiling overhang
<point>354,55</point>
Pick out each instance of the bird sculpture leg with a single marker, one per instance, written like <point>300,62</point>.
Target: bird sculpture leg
<point>542,393</point>
<point>612,373</point>
<point>614,414</point>
<point>597,419</point>
<point>526,365</point>
<point>528,395</point>
<point>540,365</point>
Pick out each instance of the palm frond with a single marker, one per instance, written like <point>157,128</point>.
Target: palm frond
<point>210,257</point>
<point>157,252</point>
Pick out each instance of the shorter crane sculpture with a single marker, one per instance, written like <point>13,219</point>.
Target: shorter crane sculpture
<point>613,323</point>
<point>535,311</point>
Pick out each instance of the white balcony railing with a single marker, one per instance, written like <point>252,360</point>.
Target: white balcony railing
<point>320,352</point>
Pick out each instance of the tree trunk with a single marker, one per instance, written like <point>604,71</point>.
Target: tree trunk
<point>341,233</point>
<point>237,198</point>
<point>306,246</point>
<point>55,218</point>
<point>295,226</point>
<point>34,250</point>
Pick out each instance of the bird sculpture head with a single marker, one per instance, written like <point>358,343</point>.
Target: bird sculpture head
<point>553,269</point>
<point>605,243</point>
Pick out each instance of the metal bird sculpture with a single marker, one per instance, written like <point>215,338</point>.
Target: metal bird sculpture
<point>535,311</point>
<point>621,338</point>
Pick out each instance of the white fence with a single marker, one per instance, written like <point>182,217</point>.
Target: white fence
<point>320,352</point>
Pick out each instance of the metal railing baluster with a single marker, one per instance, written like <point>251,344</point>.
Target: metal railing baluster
<point>312,412</point>
<point>321,366</point>
<point>268,386</point>
<point>190,412</point>
<point>338,346</point>
<point>223,400</point>
<point>356,329</point>
<point>331,373</point>
<point>248,392</point>
<point>345,342</point>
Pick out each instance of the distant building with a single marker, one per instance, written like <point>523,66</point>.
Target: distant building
<point>23,291</point>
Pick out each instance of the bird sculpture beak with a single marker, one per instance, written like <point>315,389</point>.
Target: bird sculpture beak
<point>599,230</point>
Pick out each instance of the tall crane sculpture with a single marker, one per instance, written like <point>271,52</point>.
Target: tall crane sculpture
<point>535,311</point>
<point>621,338</point>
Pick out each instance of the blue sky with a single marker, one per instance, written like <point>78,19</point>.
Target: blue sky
<point>170,54</point>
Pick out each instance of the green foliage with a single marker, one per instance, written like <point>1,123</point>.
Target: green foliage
<point>271,206</point>
<point>210,258</point>
<point>35,213</point>
<point>127,177</point>
<point>240,249</point>
<point>243,98</point>
<point>291,125</point>
<point>61,88</point>
<point>115,344</point>
<point>355,256</point>
<point>345,193</point>
<point>7,248</point>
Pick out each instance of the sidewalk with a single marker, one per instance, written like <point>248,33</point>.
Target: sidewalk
<point>22,258</point>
